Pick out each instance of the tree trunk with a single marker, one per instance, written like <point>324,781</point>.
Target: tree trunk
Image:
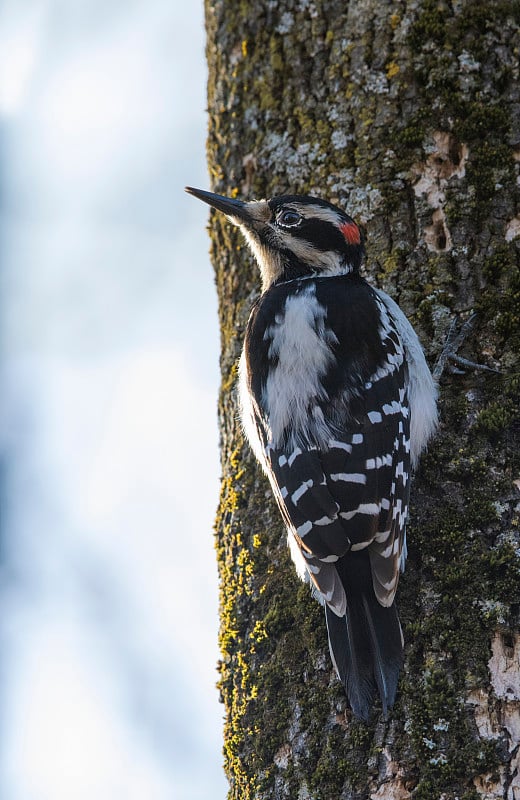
<point>408,116</point>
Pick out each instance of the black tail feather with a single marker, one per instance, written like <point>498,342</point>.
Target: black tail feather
<point>366,647</point>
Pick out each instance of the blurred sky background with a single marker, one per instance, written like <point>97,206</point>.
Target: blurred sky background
<point>109,371</point>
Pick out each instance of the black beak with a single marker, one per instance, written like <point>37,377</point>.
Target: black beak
<point>236,209</point>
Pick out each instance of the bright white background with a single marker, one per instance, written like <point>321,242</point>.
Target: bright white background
<point>108,437</point>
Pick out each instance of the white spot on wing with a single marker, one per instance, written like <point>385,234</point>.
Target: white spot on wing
<point>393,408</point>
<point>334,444</point>
<point>304,529</point>
<point>382,537</point>
<point>401,471</point>
<point>359,546</point>
<point>324,520</point>
<point>379,461</point>
<point>301,490</point>
<point>294,455</point>
<point>349,477</point>
<point>364,508</point>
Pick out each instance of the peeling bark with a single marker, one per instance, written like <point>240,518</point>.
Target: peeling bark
<point>408,115</point>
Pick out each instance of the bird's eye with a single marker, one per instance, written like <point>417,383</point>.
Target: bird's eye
<point>289,218</point>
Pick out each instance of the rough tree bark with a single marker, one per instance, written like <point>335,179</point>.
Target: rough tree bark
<point>408,115</point>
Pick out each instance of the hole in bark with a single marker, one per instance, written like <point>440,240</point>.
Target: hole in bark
<point>454,155</point>
<point>437,235</point>
<point>508,643</point>
<point>441,237</point>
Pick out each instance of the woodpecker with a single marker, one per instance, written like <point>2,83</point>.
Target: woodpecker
<point>337,402</point>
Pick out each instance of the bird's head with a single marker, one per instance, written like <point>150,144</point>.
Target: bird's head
<point>293,236</point>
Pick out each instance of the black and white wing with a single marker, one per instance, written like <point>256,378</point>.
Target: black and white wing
<point>352,496</point>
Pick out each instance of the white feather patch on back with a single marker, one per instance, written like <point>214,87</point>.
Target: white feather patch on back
<point>300,345</point>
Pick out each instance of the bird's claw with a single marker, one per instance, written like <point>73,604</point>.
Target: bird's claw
<point>450,360</point>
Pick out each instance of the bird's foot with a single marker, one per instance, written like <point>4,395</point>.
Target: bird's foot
<point>449,359</point>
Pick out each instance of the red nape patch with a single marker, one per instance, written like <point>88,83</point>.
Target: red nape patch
<point>351,232</point>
